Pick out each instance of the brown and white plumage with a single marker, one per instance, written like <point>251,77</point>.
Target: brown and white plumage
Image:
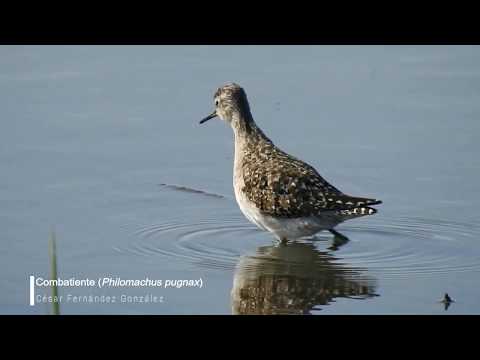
<point>275,190</point>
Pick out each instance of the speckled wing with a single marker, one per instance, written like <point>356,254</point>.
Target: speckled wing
<point>283,186</point>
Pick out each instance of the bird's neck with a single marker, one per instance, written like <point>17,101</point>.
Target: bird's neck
<point>246,131</point>
<point>248,137</point>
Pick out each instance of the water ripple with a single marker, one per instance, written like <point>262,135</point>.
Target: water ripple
<point>389,247</point>
<point>407,246</point>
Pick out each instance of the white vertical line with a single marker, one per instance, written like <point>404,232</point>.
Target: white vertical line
<point>32,290</point>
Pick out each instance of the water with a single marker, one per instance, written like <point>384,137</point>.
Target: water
<point>102,144</point>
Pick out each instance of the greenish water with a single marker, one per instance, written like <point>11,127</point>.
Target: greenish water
<point>103,144</point>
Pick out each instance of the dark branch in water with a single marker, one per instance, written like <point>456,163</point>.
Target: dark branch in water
<point>190,190</point>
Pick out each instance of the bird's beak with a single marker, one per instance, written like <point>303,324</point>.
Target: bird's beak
<point>211,116</point>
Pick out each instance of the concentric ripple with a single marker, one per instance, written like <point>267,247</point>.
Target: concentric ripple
<point>205,243</point>
<point>407,246</point>
<point>385,247</point>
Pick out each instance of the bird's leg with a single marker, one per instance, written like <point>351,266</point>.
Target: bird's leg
<point>336,233</point>
<point>338,240</point>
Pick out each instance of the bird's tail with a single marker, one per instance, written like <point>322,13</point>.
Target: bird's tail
<point>346,202</point>
<point>357,212</point>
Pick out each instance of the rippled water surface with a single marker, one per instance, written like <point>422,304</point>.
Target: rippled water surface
<point>102,144</point>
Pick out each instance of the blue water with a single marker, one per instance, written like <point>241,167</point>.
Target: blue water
<point>89,134</point>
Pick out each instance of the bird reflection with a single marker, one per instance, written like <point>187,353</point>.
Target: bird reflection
<point>294,278</point>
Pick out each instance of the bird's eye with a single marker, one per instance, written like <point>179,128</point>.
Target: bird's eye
<point>216,102</point>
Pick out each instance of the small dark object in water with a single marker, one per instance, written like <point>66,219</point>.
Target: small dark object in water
<point>447,300</point>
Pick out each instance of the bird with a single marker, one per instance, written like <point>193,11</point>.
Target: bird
<point>274,190</point>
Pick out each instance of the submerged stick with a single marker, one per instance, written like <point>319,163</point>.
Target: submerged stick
<point>191,190</point>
